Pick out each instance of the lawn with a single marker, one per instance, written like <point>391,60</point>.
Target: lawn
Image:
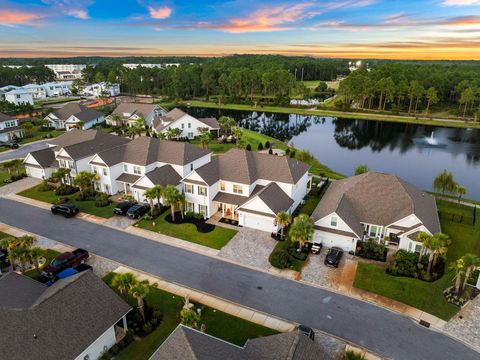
<point>84,206</point>
<point>297,264</point>
<point>49,256</point>
<point>312,200</point>
<point>38,134</point>
<point>420,294</point>
<point>219,324</point>
<point>215,239</point>
<point>311,84</point>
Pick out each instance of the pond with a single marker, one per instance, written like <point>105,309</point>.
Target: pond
<point>414,152</point>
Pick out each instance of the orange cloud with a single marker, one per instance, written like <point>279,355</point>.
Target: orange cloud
<point>15,17</point>
<point>162,12</point>
<point>465,20</point>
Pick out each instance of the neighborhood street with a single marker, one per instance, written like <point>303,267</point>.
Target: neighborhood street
<point>387,333</point>
<point>23,150</point>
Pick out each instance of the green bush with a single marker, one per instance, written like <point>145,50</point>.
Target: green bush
<point>248,147</point>
<point>293,252</point>
<point>194,215</point>
<point>279,259</point>
<point>267,144</point>
<point>405,264</point>
<point>44,186</point>
<point>352,355</point>
<point>260,146</point>
<point>270,151</point>
<point>370,249</point>
<point>63,190</point>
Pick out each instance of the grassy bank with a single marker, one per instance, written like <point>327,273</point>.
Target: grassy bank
<point>336,113</point>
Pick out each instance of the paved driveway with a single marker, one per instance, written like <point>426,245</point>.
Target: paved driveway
<point>382,331</point>
<point>23,150</point>
<point>18,186</point>
<point>316,272</point>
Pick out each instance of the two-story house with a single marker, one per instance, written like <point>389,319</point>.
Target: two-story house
<point>374,205</point>
<point>248,187</point>
<point>19,97</point>
<point>74,115</point>
<point>127,113</point>
<point>144,162</point>
<point>189,125</point>
<point>9,128</point>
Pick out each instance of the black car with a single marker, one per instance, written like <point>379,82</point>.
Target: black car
<point>307,331</point>
<point>138,210</point>
<point>9,144</point>
<point>333,257</point>
<point>67,210</point>
<point>122,208</point>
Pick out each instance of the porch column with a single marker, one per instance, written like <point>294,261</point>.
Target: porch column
<point>223,210</point>
<point>124,320</point>
<point>125,188</point>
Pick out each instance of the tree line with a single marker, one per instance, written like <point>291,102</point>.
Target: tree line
<point>414,88</point>
<point>25,75</point>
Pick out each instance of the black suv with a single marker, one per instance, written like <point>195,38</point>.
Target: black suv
<point>136,211</point>
<point>67,210</point>
<point>307,331</point>
<point>9,144</point>
<point>122,208</point>
<point>333,257</point>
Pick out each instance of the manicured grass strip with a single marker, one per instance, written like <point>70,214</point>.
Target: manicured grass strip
<point>417,293</point>
<point>218,324</point>
<point>4,235</point>
<point>87,206</point>
<point>215,239</point>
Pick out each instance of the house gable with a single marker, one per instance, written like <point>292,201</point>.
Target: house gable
<point>326,222</point>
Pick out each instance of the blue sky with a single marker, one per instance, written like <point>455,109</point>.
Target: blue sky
<point>427,29</point>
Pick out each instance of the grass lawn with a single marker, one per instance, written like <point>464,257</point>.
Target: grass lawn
<point>311,84</point>
<point>49,256</point>
<point>54,101</point>
<point>84,206</point>
<point>38,134</point>
<point>4,175</point>
<point>4,235</point>
<point>420,294</point>
<point>219,324</point>
<point>297,265</point>
<point>215,239</point>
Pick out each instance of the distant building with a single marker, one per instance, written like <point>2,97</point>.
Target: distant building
<point>126,113</point>
<point>19,97</point>
<point>66,67</point>
<point>150,66</point>
<point>9,128</point>
<point>72,115</point>
<point>101,89</point>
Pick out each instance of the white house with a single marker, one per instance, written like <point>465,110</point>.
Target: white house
<point>126,113</point>
<point>374,205</point>
<point>189,125</point>
<point>38,91</point>
<point>101,89</point>
<point>144,162</point>
<point>60,88</point>
<point>9,128</point>
<point>19,97</point>
<point>247,187</point>
<point>70,116</point>
<point>40,164</point>
<point>79,317</point>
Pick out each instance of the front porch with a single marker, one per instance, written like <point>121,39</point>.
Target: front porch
<point>226,213</point>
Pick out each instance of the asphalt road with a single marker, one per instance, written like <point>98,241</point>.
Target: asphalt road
<point>22,151</point>
<point>387,333</point>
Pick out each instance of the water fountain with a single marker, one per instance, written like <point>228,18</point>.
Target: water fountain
<point>429,141</point>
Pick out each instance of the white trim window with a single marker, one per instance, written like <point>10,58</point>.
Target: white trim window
<point>202,190</point>
<point>202,209</point>
<point>188,188</point>
<point>222,185</point>
<point>105,171</point>
<point>189,206</point>
<point>237,189</point>
<point>94,170</point>
<point>334,221</point>
<point>125,167</point>
<point>137,170</point>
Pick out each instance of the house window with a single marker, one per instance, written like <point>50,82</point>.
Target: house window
<point>418,248</point>
<point>189,207</point>
<point>105,171</point>
<point>191,167</point>
<point>189,125</point>
<point>137,170</point>
<point>190,135</point>
<point>125,167</point>
<point>222,185</point>
<point>237,189</point>
<point>94,169</point>
<point>189,188</point>
<point>62,163</point>
<point>202,209</point>
<point>373,230</point>
<point>18,96</point>
<point>333,221</point>
<point>202,190</point>
<point>183,126</point>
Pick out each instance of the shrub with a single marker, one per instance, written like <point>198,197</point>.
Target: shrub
<point>260,146</point>
<point>248,147</point>
<point>194,215</point>
<point>63,190</point>
<point>267,144</point>
<point>102,200</point>
<point>287,151</point>
<point>61,200</point>
<point>299,255</point>
<point>147,328</point>
<point>279,259</point>
<point>352,355</point>
<point>270,151</point>
<point>455,299</point>
<point>44,186</point>
<point>17,177</point>
<point>405,264</point>
<point>370,249</point>
<point>292,154</point>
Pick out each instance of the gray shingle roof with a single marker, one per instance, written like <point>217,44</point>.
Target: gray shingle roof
<point>66,317</point>
<point>45,157</point>
<point>275,198</point>
<point>188,344</point>
<point>235,199</point>
<point>377,198</point>
<point>142,110</point>
<point>245,167</point>
<point>212,122</point>
<point>5,117</point>
<point>164,175</point>
<point>128,178</point>
<point>80,111</point>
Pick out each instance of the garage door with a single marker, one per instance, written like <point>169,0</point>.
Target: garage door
<point>258,222</point>
<point>34,172</point>
<point>333,240</point>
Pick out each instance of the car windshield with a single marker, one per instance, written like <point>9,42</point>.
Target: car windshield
<point>57,262</point>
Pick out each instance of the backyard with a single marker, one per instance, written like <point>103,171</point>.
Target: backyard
<point>427,296</point>
<point>87,206</point>
<point>215,239</point>
<point>219,324</point>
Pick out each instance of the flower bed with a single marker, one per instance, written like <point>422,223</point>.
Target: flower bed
<point>459,299</point>
<point>406,264</point>
<point>201,225</point>
<point>370,249</point>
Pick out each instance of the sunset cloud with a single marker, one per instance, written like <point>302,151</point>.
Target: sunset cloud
<point>460,2</point>
<point>17,17</point>
<point>74,8</point>
<point>162,12</point>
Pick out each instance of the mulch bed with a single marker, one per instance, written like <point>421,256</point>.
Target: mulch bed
<point>201,225</point>
<point>229,221</point>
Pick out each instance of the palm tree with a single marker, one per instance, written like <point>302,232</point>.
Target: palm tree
<point>205,138</point>
<point>301,230</point>
<point>10,243</point>
<point>458,268</point>
<point>84,180</point>
<point>460,191</point>
<point>116,119</point>
<point>237,133</point>
<point>422,237</point>
<point>444,182</point>
<point>226,124</point>
<point>158,190</point>
<point>124,283</point>
<point>442,248</point>
<point>471,262</point>
<point>35,255</point>
<point>170,196</point>
<point>60,174</point>
<point>139,291</point>
<point>150,195</point>
<point>435,245</point>
<point>181,203</point>
<point>283,219</point>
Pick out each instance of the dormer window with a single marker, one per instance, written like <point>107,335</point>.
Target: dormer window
<point>333,221</point>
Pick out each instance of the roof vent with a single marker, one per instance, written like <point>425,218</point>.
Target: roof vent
<point>35,336</point>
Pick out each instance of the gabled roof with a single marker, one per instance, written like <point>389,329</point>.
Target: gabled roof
<point>63,319</point>
<point>275,198</point>
<point>80,111</point>
<point>45,157</point>
<point>161,122</point>
<point>142,110</point>
<point>245,167</point>
<point>212,122</point>
<point>146,150</point>
<point>82,143</point>
<point>189,344</point>
<point>164,175</point>
<point>5,117</point>
<point>379,199</point>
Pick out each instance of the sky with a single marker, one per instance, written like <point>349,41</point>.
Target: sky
<point>394,29</point>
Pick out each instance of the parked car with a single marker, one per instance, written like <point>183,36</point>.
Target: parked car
<point>333,257</point>
<point>4,258</point>
<point>67,210</point>
<point>69,272</point>
<point>9,144</point>
<point>64,261</point>
<point>316,248</point>
<point>307,331</point>
<point>137,211</point>
<point>123,207</point>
